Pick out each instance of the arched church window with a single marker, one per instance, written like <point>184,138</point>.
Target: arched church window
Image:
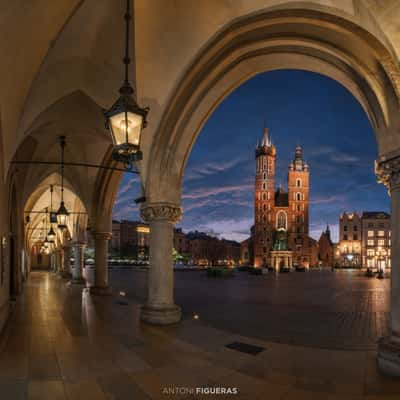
<point>263,196</point>
<point>298,196</point>
<point>298,182</point>
<point>264,175</point>
<point>281,220</point>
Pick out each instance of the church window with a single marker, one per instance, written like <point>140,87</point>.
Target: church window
<point>298,208</point>
<point>264,175</point>
<point>281,220</point>
<point>264,207</point>
<point>298,182</point>
<point>263,196</point>
<point>263,186</point>
<point>298,196</point>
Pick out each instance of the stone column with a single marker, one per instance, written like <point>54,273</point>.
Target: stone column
<point>66,261</point>
<point>79,252</point>
<point>52,262</point>
<point>160,307</point>
<point>58,260</point>
<point>388,172</point>
<point>101,263</point>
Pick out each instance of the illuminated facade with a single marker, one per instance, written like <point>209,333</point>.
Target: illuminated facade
<point>348,251</point>
<point>376,240</point>
<point>364,240</point>
<point>281,218</point>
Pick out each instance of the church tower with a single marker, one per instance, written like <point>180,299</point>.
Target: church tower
<point>264,200</point>
<point>298,196</point>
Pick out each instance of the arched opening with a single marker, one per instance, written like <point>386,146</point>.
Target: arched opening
<point>220,194</point>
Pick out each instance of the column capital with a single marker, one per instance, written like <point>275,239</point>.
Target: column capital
<point>387,171</point>
<point>102,235</point>
<point>168,212</point>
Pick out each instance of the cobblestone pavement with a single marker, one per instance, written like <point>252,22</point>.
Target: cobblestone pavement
<point>339,310</point>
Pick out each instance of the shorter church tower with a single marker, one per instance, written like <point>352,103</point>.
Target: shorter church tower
<point>298,195</point>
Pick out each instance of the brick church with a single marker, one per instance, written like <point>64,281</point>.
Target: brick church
<point>280,233</point>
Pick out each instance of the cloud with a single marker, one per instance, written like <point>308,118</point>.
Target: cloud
<point>217,202</point>
<point>128,211</point>
<point>210,168</point>
<point>125,187</point>
<point>228,228</point>
<point>344,158</point>
<point>206,192</point>
<point>327,199</point>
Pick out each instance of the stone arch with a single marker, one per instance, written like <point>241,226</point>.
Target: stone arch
<point>311,40</point>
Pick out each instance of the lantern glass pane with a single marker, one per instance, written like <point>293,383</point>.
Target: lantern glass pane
<point>120,124</point>
<point>62,219</point>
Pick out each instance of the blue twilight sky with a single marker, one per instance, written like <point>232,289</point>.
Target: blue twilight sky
<point>299,108</point>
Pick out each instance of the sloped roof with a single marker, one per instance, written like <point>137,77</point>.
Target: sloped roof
<point>281,198</point>
<point>375,215</point>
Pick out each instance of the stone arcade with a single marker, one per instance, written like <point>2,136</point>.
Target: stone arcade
<point>57,76</point>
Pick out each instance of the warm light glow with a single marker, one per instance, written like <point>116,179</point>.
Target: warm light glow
<point>124,129</point>
<point>143,229</point>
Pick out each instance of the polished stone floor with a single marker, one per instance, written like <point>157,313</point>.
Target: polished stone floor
<point>61,343</point>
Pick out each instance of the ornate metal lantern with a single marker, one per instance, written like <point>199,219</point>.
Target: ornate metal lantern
<point>126,119</point>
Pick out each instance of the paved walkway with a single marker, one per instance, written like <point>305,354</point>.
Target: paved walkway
<point>341,310</point>
<point>61,343</point>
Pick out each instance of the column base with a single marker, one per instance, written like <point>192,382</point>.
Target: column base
<point>161,315</point>
<point>100,290</point>
<point>389,356</point>
<point>78,281</point>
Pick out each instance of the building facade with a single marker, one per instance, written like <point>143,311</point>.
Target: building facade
<point>364,240</point>
<point>348,253</point>
<point>376,240</point>
<point>280,214</point>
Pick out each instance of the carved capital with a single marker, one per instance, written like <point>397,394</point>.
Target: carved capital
<point>388,172</point>
<point>161,212</point>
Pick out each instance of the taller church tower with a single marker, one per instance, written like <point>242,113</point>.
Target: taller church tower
<point>264,198</point>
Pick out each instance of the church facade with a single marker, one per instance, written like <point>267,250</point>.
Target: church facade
<point>281,226</point>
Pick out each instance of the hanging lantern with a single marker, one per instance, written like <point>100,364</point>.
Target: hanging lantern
<point>51,235</point>
<point>126,119</point>
<point>62,213</point>
<point>62,216</point>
